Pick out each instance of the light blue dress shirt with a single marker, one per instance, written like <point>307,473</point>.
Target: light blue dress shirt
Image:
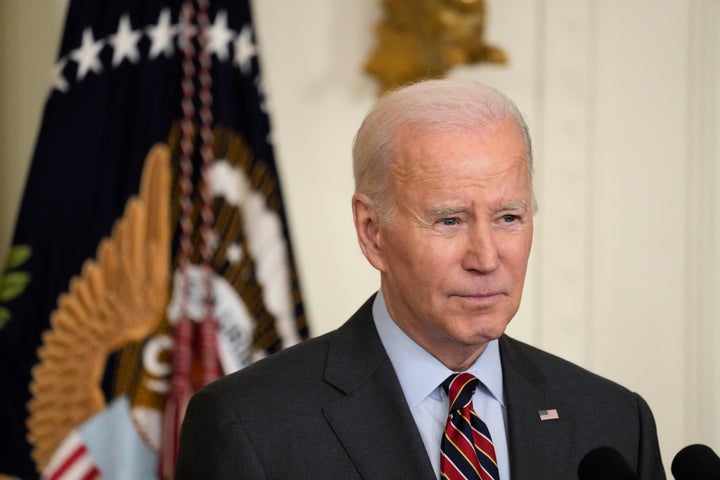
<point>421,376</point>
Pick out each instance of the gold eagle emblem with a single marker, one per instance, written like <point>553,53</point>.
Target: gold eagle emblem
<point>119,297</point>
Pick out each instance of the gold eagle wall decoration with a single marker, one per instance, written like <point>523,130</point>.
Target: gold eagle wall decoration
<point>419,39</point>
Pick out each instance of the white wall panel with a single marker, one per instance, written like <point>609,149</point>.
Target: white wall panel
<point>702,335</point>
<point>640,209</point>
<point>29,40</point>
<point>312,53</point>
<point>564,171</point>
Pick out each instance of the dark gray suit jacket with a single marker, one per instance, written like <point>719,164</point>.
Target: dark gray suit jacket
<point>332,408</point>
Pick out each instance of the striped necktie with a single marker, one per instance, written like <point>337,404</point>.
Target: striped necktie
<point>466,451</point>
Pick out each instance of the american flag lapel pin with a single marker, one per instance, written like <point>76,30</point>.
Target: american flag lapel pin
<point>550,414</point>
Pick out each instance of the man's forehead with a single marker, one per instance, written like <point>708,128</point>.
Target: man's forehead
<point>437,170</point>
<point>422,142</point>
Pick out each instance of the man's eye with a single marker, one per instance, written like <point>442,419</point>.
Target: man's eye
<point>448,222</point>
<point>509,218</point>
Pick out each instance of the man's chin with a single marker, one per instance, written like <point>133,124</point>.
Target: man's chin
<point>488,332</point>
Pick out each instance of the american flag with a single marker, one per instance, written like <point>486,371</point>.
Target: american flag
<point>550,414</point>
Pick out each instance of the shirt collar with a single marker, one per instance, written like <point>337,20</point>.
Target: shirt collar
<point>419,372</point>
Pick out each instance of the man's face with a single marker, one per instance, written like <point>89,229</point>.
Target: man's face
<point>453,259</point>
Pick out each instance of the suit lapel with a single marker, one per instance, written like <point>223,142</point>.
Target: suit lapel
<point>374,424</point>
<point>373,421</point>
<point>539,449</point>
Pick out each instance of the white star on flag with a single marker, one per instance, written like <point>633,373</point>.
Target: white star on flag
<point>219,36</point>
<point>161,35</point>
<point>58,80</point>
<point>244,49</point>
<point>87,55</point>
<point>124,42</point>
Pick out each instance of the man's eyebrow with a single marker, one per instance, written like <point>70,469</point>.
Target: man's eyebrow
<point>444,211</point>
<point>518,205</point>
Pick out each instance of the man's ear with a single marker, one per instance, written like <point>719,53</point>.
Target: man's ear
<point>367,227</point>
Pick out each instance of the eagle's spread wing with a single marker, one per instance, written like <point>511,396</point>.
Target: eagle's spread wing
<point>119,297</point>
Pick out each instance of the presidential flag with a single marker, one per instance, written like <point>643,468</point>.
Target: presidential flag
<point>151,252</point>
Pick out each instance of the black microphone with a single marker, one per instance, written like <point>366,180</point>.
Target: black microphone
<point>696,462</point>
<point>605,463</point>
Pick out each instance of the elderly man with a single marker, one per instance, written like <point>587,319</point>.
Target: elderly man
<point>421,382</point>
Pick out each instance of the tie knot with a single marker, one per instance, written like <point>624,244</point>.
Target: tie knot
<point>460,388</point>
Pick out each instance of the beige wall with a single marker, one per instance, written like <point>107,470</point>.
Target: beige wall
<point>29,39</point>
<point>621,97</point>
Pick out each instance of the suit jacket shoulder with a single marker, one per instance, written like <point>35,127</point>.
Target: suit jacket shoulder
<point>591,412</point>
<point>330,407</point>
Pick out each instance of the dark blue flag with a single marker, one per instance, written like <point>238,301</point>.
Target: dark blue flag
<point>152,198</point>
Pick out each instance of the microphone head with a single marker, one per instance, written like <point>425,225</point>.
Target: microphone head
<point>696,462</point>
<point>605,463</point>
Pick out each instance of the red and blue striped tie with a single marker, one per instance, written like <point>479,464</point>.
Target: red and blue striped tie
<point>466,451</point>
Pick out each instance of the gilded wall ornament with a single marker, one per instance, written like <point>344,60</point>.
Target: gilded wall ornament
<point>420,39</point>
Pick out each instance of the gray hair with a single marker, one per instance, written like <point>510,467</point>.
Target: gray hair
<point>438,106</point>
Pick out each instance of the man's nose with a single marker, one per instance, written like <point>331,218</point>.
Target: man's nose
<point>481,253</point>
